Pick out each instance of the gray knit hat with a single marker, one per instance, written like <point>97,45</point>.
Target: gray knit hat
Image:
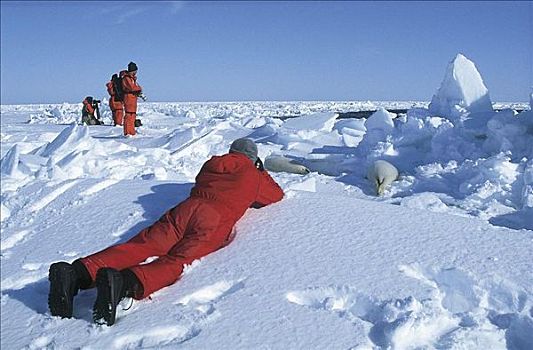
<point>246,147</point>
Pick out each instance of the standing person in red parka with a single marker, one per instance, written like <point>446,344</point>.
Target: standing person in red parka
<point>131,91</point>
<point>225,188</point>
<point>115,102</point>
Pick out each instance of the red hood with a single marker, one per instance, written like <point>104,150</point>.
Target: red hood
<point>233,180</point>
<point>228,163</point>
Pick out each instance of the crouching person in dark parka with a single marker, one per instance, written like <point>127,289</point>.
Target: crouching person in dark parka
<point>90,114</point>
<point>225,188</point>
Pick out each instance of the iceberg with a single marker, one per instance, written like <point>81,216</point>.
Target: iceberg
<point>462,91</point>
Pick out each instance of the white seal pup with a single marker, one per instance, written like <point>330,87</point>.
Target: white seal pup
<point>382,174</point>
<point>281,164</point>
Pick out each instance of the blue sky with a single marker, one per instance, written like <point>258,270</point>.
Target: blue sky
<point>54,52</point>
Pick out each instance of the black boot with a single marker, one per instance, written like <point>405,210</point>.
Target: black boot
<point>64,285</point>
<point>110,289</point>
<point>113,286</point>
<point>65,281</point>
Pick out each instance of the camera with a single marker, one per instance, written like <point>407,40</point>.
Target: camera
<point>141,96</point>
<point>92,101</point>
<point>95,104</point>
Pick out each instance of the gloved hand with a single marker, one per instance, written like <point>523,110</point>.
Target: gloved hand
<point>259,164</point>
<point>142,97</point>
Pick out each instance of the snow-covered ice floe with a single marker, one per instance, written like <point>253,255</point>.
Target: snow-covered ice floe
<point>441,260</point>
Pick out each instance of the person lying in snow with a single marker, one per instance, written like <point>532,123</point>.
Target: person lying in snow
<point>225,188</point>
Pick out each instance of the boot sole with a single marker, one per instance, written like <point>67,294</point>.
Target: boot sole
<point>60,298</point>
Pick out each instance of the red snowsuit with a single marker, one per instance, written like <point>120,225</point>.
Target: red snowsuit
<point>225,187</point>
<point>131,92</point>
<point>117,108</point>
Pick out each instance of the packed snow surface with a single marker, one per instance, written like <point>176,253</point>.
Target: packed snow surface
<point>441,260</point>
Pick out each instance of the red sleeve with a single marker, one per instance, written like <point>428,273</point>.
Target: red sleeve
<point>269,191</point>
<point>88,106</point>
<point>130,85</point>
<point>110,89</point>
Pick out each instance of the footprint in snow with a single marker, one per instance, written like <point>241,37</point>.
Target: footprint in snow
<point>203,300</point>
<point>211,294</point>
<point>460,310</point>
<point>155,337</point>
<point>198,309</point>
